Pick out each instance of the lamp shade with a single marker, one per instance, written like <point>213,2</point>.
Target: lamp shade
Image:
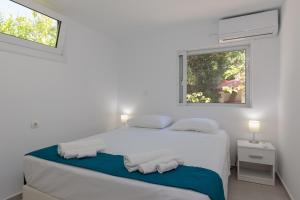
<point>254,126</point>
<point>124,118</point>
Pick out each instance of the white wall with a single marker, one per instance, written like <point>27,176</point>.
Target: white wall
<point>148,84</point>
<point>79,97</point>
<point>289,134</point>
<point>70,100</point>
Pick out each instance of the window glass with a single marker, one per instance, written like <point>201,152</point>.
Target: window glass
<point>24,23</point>
<point>216,77</point>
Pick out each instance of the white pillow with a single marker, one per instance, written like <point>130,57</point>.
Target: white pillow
<point>150,121</point>
<point>196,124</point>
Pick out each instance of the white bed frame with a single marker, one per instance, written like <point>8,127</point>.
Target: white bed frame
<point>30,193</point>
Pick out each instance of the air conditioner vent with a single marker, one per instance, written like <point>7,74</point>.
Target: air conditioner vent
<point>247,27</point>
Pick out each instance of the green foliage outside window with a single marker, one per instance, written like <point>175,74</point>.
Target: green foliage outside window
<point>216,77</point>
<point>197,98</point>
<point>38,28</point>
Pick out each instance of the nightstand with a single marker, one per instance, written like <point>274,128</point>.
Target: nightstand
<point>256,162</point>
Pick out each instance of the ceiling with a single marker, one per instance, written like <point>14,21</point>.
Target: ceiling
<point>116,17</point>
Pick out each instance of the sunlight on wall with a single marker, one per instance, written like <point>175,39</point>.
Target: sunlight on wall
<point>126,110</point>
<point>252,114</point>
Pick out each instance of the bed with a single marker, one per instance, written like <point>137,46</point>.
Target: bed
<point>48,180</point>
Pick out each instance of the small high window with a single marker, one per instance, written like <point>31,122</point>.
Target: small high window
<point>20,24</point>
<point>215,76</point>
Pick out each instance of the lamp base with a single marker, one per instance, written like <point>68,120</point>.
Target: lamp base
<point>254,141</point>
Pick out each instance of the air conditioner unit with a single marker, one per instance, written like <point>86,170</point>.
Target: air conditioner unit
<point>258,25</point>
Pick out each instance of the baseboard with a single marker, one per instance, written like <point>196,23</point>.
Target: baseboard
<point>17,196</point>
<point>285,186</point>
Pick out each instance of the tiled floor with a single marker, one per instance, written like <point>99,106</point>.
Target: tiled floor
<point>241,190</point>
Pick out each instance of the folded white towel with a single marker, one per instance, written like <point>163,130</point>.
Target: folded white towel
<point>148,167</point>
<point>80,149</point>
<point>80,153</point>
<point>89,152</point>
<point>97,143</point>
<point>133,161</point>
<point>151,166</point>
<point>168,166</point>
<point>70,154</point>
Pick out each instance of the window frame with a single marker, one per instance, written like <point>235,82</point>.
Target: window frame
<point>15,43</point>
<point>182,79</point>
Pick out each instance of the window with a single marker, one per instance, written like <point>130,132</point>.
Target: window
<point>27,27</point>
<point>214,76</point>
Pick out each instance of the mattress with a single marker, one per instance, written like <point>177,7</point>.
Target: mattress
<point>64,182</point>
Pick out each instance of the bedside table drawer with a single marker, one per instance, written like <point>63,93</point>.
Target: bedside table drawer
<point>256,156</point>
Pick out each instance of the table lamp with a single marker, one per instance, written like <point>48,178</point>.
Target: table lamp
<point>254,127</point>
<point>124,119</point>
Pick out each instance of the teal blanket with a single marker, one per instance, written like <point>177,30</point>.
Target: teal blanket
<point>185,177</point>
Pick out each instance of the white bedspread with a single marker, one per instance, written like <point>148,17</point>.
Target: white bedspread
<point>64,182</point>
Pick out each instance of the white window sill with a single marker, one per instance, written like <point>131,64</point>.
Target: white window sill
<point>16,49</point>
<point>233,105</point>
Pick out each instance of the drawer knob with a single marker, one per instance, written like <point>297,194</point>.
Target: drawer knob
<point>256,156</point>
